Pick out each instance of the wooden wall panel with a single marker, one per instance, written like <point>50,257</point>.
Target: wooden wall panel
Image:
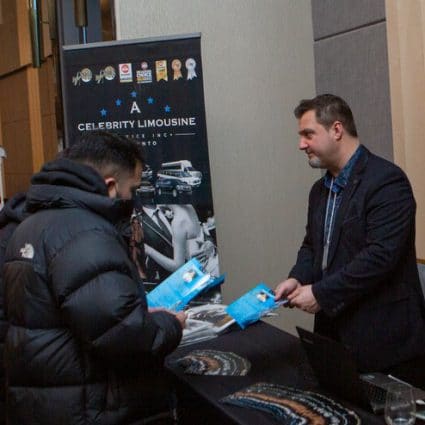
<point>15,129</point>
<point>34,103</point>
<point>406,50</point>
<point>15,35</point>
<point>47,88</point>
<point>24,33</point>
<point>28,123</point>
<point>1,143</point>
<point>18,165</point>
<point>48,114</point>
<point>14,91</point>
<point>19,158</point>
<point>50,139</point>
<point>27,101</point>
<point>47,45</point>
<point>9,58</point>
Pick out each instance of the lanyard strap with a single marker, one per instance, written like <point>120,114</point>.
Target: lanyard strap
<point>329,233</point>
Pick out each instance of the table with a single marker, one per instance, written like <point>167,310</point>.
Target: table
<point>275,356</point>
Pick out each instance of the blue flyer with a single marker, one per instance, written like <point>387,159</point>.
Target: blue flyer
<point>177,290</point>
<point>253,305</point>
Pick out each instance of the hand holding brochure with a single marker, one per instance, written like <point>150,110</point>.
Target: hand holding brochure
<point>175,292</point>
<point>253,305</point>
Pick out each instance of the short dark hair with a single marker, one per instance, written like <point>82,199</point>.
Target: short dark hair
<point>106,152</point>
<point>329,108</point>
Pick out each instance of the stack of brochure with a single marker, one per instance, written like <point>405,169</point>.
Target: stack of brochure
<point>210,320</point>
<point>252,306</point>
<point>205,322</point>
<point>175,292</point>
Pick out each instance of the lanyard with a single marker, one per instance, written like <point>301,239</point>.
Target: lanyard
<point>329,234</point>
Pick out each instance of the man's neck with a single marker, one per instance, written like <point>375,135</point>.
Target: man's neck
<point>348,148</point>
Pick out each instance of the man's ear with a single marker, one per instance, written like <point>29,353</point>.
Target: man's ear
<point>338,130</point>
<point>111,184</point>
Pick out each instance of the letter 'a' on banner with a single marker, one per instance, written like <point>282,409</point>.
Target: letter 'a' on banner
<point>151,90</point>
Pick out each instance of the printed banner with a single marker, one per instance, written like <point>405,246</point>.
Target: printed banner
<point>152,91</point>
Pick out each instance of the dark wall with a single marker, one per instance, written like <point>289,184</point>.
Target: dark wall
<point>350,53</point>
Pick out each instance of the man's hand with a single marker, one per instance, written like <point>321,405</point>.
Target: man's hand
<point>285,288</point>
<point>157,309</point>
<point>181,316</point>
<point>303,298</point>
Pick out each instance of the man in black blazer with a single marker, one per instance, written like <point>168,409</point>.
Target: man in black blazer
<point>356,268</point>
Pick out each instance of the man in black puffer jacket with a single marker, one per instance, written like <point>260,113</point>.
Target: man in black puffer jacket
<point>11,215</point>
<point>82,347</point>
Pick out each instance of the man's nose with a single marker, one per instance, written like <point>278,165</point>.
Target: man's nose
<point>302,145</point>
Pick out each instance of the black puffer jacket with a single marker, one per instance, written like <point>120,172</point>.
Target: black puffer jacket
<point>81,347</point>
<point>10,216</point>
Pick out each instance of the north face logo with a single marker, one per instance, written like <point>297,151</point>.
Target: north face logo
<point>27,251</point>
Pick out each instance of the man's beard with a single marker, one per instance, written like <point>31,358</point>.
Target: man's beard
<point>315,162</point>
<point>127,205</point>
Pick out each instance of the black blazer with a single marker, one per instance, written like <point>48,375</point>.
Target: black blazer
<point>370,297</point>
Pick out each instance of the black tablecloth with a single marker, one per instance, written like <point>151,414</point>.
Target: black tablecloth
<point>276,357</point>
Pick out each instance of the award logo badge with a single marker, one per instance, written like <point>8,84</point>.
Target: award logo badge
<point>161,70</point>
<point>126,75</point>
<point>191,65</point>
<point>84,75</point>
<point>108,73</point>
<point>144,75</point>
<point>176,65</point>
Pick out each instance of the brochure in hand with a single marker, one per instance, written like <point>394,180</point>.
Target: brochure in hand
<point>175,292</point>
<point>205,322</point>
<point>252,306</point>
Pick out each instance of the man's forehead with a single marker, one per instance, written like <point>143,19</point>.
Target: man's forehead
<point>308,123</point>
<point>308,117</point>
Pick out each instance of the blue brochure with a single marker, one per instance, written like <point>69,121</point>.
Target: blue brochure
<point>175,292</point>
<point>216,280</point>
<point>253,305</point>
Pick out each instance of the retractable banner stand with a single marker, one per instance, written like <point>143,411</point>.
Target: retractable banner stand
<point>151,90</point>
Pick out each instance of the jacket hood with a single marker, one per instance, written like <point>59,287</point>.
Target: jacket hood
<point>67,184</point>
<point>13,210</point>
<point>68,173</point>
